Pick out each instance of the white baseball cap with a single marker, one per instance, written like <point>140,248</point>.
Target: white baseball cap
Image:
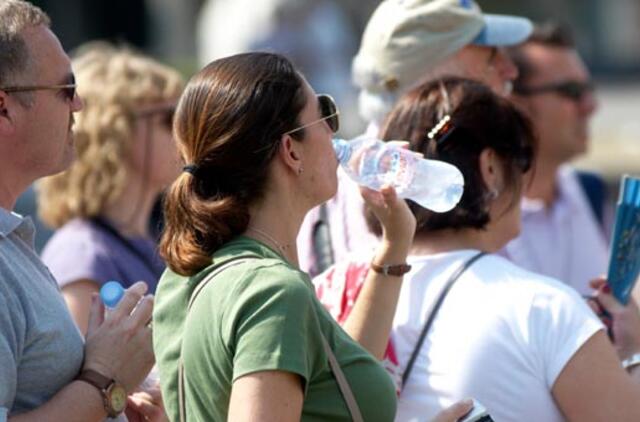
<point>405,38</point>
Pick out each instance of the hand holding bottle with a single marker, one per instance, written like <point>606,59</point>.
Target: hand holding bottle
<point>119,346</point>
<point>433,184</point>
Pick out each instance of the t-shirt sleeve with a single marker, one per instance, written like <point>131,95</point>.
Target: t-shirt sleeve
<point>70,260</point>
<point>560,323</point>
<point>12,334</point>
<point>273,325</point>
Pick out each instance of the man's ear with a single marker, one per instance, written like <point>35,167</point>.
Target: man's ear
<point>491,170</point>
<point>290,151</point>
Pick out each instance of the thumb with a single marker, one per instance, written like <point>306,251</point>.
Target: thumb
<point>455,412</point>
<point>608,302</point>
<point>96,314</point>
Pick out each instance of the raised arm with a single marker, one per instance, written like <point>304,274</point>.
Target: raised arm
<point>369,323</point>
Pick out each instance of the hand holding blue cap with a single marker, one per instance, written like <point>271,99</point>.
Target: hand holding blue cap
<point>111,293</point>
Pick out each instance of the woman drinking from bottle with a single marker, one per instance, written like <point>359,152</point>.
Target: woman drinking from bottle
<point>238,331</point>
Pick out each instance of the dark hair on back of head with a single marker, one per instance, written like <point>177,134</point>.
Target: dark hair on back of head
<point>548,34</point>
<point>228,123</point>
<point>480,119</point>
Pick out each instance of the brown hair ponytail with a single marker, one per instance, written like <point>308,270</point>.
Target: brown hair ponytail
<point>228,125</point>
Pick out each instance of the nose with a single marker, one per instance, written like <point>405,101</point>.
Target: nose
<point>77,103</point>
<point>588,104</point>
<point>505,66</point>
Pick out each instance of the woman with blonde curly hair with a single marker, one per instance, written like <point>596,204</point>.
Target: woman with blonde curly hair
<point>125,157</point>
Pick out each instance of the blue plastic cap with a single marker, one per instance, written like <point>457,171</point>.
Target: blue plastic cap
<point>111,293</point>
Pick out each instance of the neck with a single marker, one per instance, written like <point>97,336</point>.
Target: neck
<point>449,240</point>
<point>131,211</point>
<point>276,222</point>
<point>11,187</point>
<point>543,185</point>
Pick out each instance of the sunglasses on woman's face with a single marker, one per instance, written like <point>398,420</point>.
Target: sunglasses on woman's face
<point>328,111</point>
<point>573,90</point>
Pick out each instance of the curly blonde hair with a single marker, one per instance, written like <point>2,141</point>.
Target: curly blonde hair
<point>113,82</point>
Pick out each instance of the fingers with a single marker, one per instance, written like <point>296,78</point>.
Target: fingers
<point>598,283</point>
<point>144,404</point>
<point>608,302</point>
<point>130,299</point>
<point>455,412</point>
<point>142,313</point>
<point>96,314</point>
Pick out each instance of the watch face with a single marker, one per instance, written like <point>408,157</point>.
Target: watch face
<point>117,398</point>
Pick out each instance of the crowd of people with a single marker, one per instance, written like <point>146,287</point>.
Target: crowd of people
<point>279,289</point>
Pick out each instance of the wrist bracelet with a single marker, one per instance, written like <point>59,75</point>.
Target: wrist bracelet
<point>396,270</point>
<point>631,361</point>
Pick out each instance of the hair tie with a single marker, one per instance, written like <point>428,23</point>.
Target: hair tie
<point>191,169</point>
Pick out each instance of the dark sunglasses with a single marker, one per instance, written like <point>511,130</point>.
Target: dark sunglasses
<point>328,111</point>
<point>68,89</point>
<point>573,90</point>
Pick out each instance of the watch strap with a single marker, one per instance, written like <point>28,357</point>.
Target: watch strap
<point>104,385</point>
<point>396,270</point>
<point>95,378</point>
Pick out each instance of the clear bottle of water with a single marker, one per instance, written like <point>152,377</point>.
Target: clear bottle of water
<point>370,162</point>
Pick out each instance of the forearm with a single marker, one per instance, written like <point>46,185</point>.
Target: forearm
<point>77,402</point>
<point>370,320</point>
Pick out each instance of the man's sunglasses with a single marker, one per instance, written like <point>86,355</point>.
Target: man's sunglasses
<point>328,111</point>
<point>68,89</point>
<point>573,90</point>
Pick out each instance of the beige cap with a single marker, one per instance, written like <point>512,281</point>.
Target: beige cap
<point>405,38</point>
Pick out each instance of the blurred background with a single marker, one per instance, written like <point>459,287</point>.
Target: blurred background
<point>321,36</point>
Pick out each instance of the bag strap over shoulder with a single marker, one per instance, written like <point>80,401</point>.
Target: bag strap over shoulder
<point>228,264</point>
<point>343,384</point>
<point>434,311</point>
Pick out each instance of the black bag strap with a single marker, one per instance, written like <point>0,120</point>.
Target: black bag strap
<point>596,192</point>
<point>434,311</point>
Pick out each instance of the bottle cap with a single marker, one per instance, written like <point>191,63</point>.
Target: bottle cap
<point>111,292</point>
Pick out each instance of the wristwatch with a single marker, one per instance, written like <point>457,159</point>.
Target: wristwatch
<point>630,362</point>
<point>395,270</point>
<point>114,396</point>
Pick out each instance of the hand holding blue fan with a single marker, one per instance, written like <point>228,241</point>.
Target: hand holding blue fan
<point>624,264</point>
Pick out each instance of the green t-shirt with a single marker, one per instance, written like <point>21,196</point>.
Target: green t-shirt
<point>255,316</point>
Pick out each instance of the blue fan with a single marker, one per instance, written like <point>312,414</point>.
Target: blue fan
<point>624,264</point>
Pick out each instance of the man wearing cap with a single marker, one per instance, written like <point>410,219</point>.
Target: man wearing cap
<point>561,234</point>
<point>404,44</point>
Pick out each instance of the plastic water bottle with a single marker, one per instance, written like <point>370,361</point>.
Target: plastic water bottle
<point>370,162</point>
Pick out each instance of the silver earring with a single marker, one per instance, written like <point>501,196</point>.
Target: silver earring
<point>300,170</point>
<point>493,194</point>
